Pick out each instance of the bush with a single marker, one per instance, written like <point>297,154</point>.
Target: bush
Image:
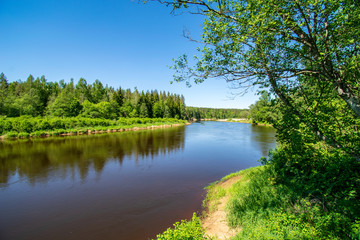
<point>23,135</point>
<point>7,125</point>
<point>42,124</point>
<point>56,123</point>
<point>54,133</point>
<point>11,134</point>
<point>265,209</point>
<point>184,230</point>
<point>39,134</point>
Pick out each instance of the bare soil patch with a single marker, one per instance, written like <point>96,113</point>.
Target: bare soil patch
<point>215,222</point>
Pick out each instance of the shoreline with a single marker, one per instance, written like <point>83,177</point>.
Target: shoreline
<point>92,131</point>
<point>243,120</point>
<point>214,217</point>
<point>238,120</point>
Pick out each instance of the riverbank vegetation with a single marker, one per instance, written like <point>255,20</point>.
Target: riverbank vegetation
<point>215,113</point>
<point>264,111</point>
<point>306,56</point>
<point>265,209</point>
<point>37,107</point>
<point>27,126</point>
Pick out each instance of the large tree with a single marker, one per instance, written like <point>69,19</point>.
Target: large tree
<point>275,42</point>
<point>305,51</point>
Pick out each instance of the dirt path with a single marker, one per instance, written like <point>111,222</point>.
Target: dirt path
<point>215,222</point>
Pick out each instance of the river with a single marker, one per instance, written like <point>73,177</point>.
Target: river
<point>129,185</point>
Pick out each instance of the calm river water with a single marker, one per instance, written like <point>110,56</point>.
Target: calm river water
<point>129,185</point>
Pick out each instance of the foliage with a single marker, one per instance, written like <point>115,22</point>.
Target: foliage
<point>264,110</point>
<point>23,135</point>
<point>38,97</point>
<point>184,230</point>
<point>38,126</point>
<point>305,53</point>
<point>327,176</point>
<point>11,134</point>
<point>59,99</point>
<point>280,44</point>
<point>265,209</point>
<point>215,113</point>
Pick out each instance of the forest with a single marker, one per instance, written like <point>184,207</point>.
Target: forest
<point>39,97</point>
<point>38,107</point>
<point>216,113</point>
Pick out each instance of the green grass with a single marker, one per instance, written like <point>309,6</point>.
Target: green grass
<point>214,193</point>
<point>263,209</point>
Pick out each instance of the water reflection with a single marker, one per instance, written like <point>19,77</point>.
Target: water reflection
<point>263,137</point>
<point>39,159</point>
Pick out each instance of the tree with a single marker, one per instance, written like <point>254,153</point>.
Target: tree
<point>82,91</point>
<point>98,92</point>
<point>305,52</point>
<point>3,93</point>
<point>264,110</point>
<point>144,113</point>
<point>66,104</point>
<point>275,43</point>
<point>158,110</point>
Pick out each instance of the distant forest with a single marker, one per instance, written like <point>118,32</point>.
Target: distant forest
<point>39,97</point>
<point>216,113</point>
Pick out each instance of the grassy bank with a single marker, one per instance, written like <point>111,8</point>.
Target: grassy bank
<point>26,127</point>
<point>260,209</point>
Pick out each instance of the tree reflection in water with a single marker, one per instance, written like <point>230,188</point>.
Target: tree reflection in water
<point>39,159</point>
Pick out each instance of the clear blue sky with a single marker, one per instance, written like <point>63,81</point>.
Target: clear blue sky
<point>120,42</point>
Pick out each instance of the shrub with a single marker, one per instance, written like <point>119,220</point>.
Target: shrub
<point>82,131</point>
<point>23,135</point>
<point>11,134</point>
<point>54,133</point>
<point>184,230</point>
<point>43,124</point>
<point>265,209</point>
<point>7,125</point>
<point>56,123</point>
<point>39,134</point>
<point>73,131</point>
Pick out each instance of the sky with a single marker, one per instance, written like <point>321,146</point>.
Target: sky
<point>122,43</point>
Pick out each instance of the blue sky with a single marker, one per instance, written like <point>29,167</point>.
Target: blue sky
<point>120,42</point>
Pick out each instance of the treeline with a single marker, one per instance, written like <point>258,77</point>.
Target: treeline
<point>215,113</point>
<point>39,97</point>
<point>265,110</point>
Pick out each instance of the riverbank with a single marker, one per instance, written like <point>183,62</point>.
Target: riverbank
<point>244,120</point>
<point>236,120</point>
<point>240,120</point>
<point>249,205</point>
<point>76,126</point>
